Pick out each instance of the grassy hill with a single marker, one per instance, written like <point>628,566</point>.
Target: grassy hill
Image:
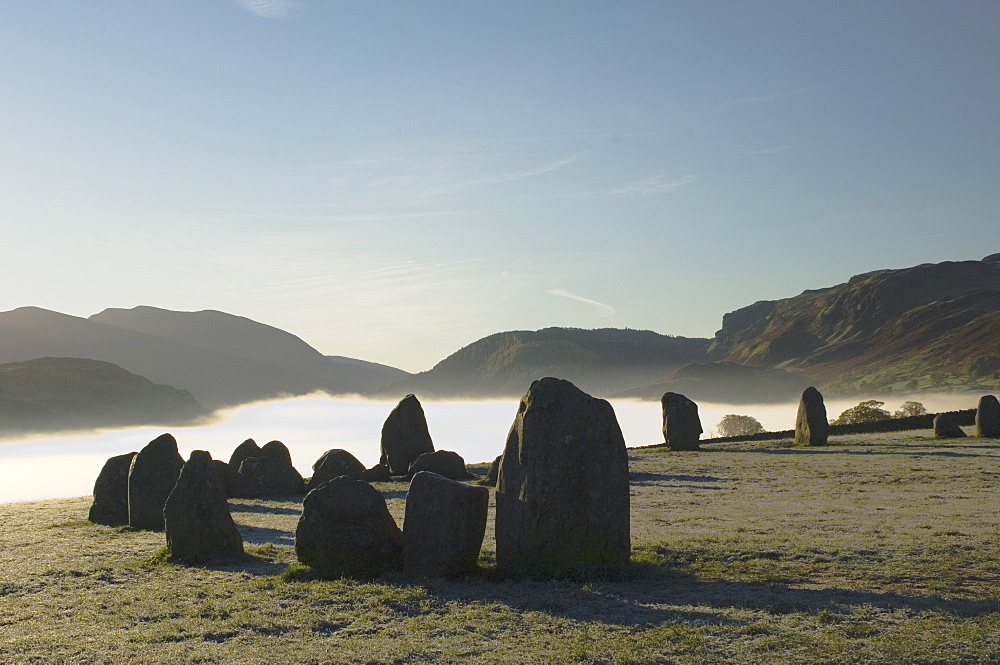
<point>63,393</point>
<point>601,362</point>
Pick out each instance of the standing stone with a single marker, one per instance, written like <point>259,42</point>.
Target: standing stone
<point>346,530</point>
<point>405,436</point>
<point>490,479</point>
<point>151,478</point>
<point>248,448</point>
<point>811,426</point>
<point>562,496</point>
<point>443,527</point>
<point>261,477</point>
<point>196,515</point>
<point>335,463</point>
<point>945,427</point>
<point>681,424</point>
<point>110,506</point>
<point>988,417</point>
<point>442,462</point>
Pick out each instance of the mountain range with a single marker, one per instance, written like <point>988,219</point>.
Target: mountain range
<point>221,359</point>
<point>929,327</point>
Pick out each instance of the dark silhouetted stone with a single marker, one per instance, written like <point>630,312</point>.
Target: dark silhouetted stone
<point>811,426</point>
<point>227,475</point>
<point>377,474</point>
<point>248,448</point>
<point>335,463</point>
<point>151,478</point>
<point>405,436</point>
<point>346,530</point>
<point>276,450</point>
<point>196,515</point>
<point>490,479</point>
<point>260,477</point>
<point>681,424</point>
<point>442,462</point>
<point>562,496</point>
<point>988,417</point>
<point>110,506</point>
<point>945,427</point>
<point>444,525</point>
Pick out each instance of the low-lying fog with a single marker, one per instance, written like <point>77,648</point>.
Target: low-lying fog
<point>66,465</point>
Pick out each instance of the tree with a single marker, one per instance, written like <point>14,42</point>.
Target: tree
<point>910,409</point>
<point>734,425</point>
<point>865,412</point>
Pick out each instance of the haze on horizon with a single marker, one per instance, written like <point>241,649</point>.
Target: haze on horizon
<point>392,182</point>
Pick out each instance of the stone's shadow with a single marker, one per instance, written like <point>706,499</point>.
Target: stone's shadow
<point>394,494</point>
<point>258,535</point>
<point>833,450</point>
<point>245,563</point>
<point>665,596</point>
<point>235,507</point>
<point>644,478</point>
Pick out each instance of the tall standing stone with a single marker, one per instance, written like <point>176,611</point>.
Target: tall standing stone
<point>196,515</point>
<point>562,496</point>
<point>681,424</point>
<point>346,530</point>
<point>811,426</point>
<point>988,417</point>
<point>443,527</point>
<point>110,506</point>
<point>151,478</point>
<point>405,436</point>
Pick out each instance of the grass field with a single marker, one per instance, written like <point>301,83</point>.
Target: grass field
<point>875,549</point>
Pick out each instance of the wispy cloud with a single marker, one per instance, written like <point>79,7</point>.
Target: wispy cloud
<point>775,150</point>
<point>657,184</point>
<point>276,9</point>
<point>509,176</point>
<point>602,308</point>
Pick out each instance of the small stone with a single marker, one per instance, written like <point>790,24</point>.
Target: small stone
<point>110,506</point>
<point>444,526</point>
<point>346,530</point>
<point>196,515</point>
<point>442,462</point>
<point>333,463</point>
<point>490,479</point>
<point>945,427</point>
<point>377,474</point>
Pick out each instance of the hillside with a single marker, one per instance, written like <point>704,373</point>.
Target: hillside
<point>601,362</point>
<point>64,393</point>
<point>221,359</point>
<point>933,326</point>
<point>726,382</point>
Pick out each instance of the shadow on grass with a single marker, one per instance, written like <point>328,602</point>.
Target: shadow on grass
<point>644,478</point>
<point>248,562</point>
<point>235,507</point>
<point>259,535</point>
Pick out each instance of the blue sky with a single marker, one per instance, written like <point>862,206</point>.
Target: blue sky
<point>394,180</point>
